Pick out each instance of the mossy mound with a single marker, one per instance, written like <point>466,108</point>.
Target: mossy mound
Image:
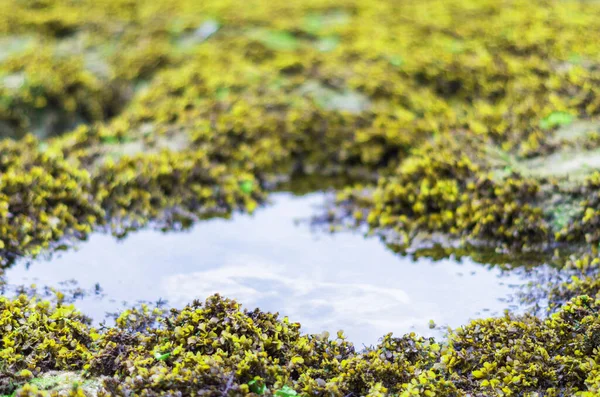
<point>38,337</point>
<point>47,94</point>
<point>326,88</point>
<point>216,348</point>
<point>43,199</point>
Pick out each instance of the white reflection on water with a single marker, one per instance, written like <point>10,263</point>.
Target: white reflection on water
<point>324,282</point>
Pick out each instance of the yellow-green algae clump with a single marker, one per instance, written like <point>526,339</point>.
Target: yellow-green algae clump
<point>386,90</point>
<point>216,348</point>
<point>458,117</point>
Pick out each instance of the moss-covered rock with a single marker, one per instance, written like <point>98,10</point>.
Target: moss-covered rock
<point>217,348</point>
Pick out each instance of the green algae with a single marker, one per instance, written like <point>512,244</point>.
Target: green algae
<point>217,348</point>
<point>470,123</point>
<point>47,94</point>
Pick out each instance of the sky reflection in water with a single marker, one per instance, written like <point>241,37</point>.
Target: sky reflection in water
<point>326,282</point>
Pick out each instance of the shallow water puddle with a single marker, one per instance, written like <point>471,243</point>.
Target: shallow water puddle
<point>325,282</point>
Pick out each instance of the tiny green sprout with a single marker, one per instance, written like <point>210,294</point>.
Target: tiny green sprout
<point>556,119</point>
<point>161,357</point>
<point>257,387</point>
<point>286,391</point>
<point>246,186</point>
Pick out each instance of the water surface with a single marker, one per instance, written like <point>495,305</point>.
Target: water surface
<point>267,260</point>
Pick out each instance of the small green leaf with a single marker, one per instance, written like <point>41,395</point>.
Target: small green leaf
<point>161,357</point>
<point>478,374</point>
<point>556,119</point>
<point>256,388</point>
<point>247,186</point>
<point>286,391</point>
<point>297,360</point>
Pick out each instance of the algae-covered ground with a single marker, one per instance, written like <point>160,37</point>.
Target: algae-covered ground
<point>470,124</point>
